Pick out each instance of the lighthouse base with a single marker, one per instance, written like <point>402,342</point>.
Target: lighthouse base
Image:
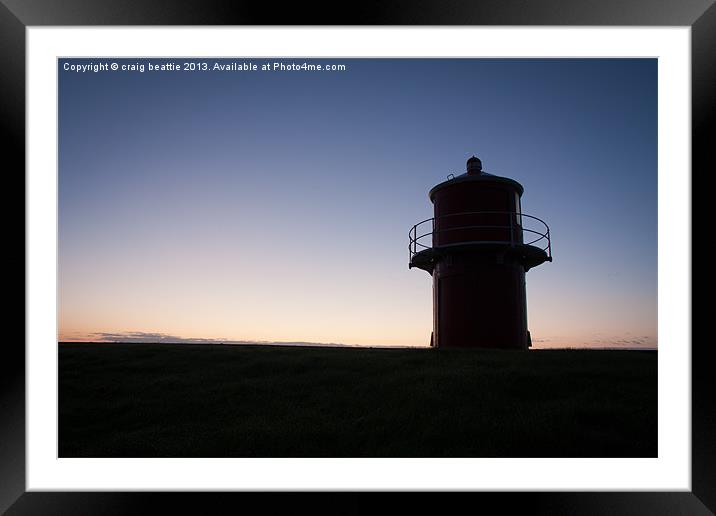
<point>479,300</point>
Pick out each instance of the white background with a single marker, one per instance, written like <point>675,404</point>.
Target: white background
<point>670,471</point>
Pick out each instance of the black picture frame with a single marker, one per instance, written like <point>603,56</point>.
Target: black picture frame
<point>16,15</point>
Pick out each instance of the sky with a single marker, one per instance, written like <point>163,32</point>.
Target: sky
<point>274,205</point>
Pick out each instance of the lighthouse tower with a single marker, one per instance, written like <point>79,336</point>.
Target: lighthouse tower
<point>478,247</point>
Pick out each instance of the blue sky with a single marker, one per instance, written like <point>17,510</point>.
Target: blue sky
<point>275,205</point>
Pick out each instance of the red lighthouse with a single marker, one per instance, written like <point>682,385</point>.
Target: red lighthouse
<point>478,247</point>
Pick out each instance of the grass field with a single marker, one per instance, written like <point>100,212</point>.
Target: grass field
<point>185,400</point>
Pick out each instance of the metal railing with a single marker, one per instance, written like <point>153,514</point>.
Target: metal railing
<point>520,223</point>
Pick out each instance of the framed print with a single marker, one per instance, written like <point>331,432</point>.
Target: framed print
<point>162,213</point>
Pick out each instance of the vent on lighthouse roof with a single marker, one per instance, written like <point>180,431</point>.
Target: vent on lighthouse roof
<point>474,166</point>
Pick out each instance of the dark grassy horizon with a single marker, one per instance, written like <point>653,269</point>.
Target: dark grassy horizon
<point>240,400</point>
<point>339,345</point>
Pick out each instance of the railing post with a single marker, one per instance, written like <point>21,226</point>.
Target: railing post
<point>512,236</point>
